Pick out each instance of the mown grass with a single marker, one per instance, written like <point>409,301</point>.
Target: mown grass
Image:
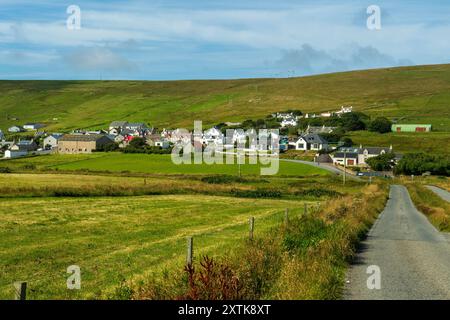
<point>152,164</point>
<point>118,239</point>
<point>305,259</point>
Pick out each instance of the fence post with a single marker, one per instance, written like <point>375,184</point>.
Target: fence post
<point>190,251</point>
<point>252,227</point>
<point>305,211</point>
<point>286,217</point>
<point>20,290</point>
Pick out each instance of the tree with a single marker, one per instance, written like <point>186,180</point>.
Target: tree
<point>353,121</point>
<point>137,142</point>
<point>383,162</point>
<point>346,142</point>
<point>381,125</point>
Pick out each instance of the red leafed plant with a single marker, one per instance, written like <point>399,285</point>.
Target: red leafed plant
<point>212,281</point>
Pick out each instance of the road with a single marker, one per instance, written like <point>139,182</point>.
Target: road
<point>413,257</point>
<point>325,166</point>
<point>444,194</point>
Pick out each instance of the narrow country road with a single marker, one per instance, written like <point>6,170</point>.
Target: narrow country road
<point>324,166</point>
<point>444,194</point>
<point>412,256</point>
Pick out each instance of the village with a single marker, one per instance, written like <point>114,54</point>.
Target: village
<point>119,134</point>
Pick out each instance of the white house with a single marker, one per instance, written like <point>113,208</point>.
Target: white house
<point>213,135</point>
<point>289,122</point>
<point>15,129</point>
<point>344,110</point>
<point>309,142</point>
<point>51,141</point>
<point>358,156</point>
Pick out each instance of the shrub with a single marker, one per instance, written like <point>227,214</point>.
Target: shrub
<point>318,192</point>
<point>212,281</point>
<point>219,179</point>
<point>380,125</point>
<point>5,170</point>
<point>419,163</point>
<point>258,193</point>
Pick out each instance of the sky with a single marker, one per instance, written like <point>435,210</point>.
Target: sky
<point>216,39</point>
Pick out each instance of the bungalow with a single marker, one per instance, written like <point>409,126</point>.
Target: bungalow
<point>33,126</point>
<point>289,122</point>
<point>51,141</point>
<point>15,129</point>
<point>155,140</point>
<point>213,135</point>
<point>358,156</point>
<point>116,127</point>
<point>20,149</point>
<point>310,142</point>
<point>138,126</point>
<point>24,145</point>
<point>79,143</point>
<point>318,129</point>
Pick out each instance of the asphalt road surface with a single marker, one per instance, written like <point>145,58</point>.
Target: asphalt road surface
<point>444,194</point>
<point>412,256</point>
<point>325,166</point>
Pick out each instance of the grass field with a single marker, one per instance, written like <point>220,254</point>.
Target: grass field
<point>152,164</point>
<point>409,94</point>
<point>431,142</point>
<point>113,239</point>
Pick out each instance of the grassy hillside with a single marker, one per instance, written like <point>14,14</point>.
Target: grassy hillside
<point>412,94</point>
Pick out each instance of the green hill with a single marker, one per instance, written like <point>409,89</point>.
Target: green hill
<point>412,94</point>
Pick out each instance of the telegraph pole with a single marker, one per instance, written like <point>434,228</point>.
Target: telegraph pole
<point>345,166</point>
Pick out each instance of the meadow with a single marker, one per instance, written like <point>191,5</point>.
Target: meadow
<point>151,164</point>
<point>118,239</point>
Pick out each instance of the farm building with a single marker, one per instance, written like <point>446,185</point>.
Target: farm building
<point>33,126</point>
<point>81,143</point>
<point>411,127</point>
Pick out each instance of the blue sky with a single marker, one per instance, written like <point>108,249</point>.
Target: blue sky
<point>213,39</point>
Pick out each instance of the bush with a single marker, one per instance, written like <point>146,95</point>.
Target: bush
<point>5,170</point>
<point>419,163</point>
<point>383,162</point>
<point>380,125</point>
<point>219,179</point>
<point>212,281</point>
<point>318,192</point>
<point>258,193</point>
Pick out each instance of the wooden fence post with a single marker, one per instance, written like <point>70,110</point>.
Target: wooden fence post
<point>286,217</point>
<point>20,290</point>
<point>252,227</point>
<point>190,251</point>
<point>305,211</point>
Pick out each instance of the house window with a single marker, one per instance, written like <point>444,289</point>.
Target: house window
<point>301,145</point>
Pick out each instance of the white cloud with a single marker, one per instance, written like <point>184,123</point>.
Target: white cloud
<point>98,59</point>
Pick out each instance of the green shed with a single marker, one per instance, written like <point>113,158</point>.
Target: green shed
<point>411,127</point>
